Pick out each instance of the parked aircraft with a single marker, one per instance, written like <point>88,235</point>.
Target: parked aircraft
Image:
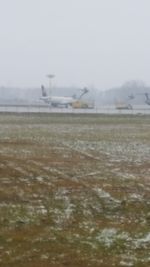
<point>61,101</point>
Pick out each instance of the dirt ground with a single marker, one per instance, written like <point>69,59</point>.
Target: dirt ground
<point>74,190</point>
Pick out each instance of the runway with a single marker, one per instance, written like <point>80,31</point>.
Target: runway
<point>139,109</point>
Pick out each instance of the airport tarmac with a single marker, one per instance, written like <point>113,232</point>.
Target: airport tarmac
<point>142,109</point>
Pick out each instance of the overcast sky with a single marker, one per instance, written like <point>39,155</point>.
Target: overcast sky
<point>100,43</point>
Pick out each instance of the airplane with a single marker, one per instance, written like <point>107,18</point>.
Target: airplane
<point>61,101</point>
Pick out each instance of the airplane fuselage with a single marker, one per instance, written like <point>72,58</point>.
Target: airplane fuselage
<point>58,100</point>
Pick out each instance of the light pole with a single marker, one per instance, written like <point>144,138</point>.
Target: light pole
<point>50,77</point>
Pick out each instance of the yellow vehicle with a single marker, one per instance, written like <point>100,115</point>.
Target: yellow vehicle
<point>82,104</point>
<point>122,105</point>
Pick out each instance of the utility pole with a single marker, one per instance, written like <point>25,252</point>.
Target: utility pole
<point>50,77</point>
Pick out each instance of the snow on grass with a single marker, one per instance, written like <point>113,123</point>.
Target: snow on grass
<point>74,188</point>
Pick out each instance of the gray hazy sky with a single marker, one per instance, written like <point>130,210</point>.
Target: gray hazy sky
<point>100,43</point>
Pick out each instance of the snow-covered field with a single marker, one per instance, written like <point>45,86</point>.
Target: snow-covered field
<point>74,190</point>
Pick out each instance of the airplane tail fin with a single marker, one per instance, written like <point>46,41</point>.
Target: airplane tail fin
<point>44,94</point>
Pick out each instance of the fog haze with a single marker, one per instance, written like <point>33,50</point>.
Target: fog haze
<point>96,43</point>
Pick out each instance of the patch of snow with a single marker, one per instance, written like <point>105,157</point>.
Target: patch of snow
<point>107,236</point>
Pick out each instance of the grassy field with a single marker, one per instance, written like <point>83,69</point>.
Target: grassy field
<point>74,190</point>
